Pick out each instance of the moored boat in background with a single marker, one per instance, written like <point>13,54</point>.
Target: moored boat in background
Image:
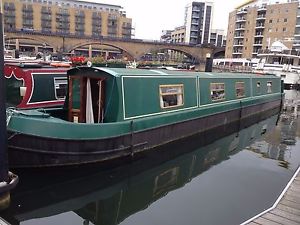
<point>114,113</point>
<point>282,62</point>
<point>34,85</point>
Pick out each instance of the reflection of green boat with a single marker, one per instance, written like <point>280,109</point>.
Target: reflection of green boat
<point>113,113</point>
<point>110,197</point>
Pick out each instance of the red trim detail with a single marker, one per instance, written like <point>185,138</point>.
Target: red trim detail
<point>25,74</point>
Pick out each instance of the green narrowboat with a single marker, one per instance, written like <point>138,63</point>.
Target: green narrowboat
<point>112,113</point>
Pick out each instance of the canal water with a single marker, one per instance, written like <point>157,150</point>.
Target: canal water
<point>222,182</point>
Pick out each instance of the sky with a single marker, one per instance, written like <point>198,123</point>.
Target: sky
<point>150,17</point>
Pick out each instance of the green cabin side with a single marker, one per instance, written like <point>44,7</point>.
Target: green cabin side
<point>128,94</point>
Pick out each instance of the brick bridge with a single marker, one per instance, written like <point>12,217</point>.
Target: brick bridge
<point>133,48</point>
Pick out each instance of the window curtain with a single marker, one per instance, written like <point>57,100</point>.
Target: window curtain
<point>89,103</point>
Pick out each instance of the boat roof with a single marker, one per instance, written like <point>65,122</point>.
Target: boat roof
<point>119,72</point>
<point>34,66</point>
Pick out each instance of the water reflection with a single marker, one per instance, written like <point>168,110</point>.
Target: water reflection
<point>277,144</point>
<point>110,196</point>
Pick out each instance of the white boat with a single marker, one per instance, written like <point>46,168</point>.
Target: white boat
<point>281,61</point>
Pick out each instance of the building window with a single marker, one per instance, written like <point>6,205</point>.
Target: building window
<point>240,89</point>
<point>217,91</point>
<point>285,20</point>
<point>270,21</point>
<point>284,29</point>
<point>269,87</point>
<point>60,84</point>
<point>171,95</point>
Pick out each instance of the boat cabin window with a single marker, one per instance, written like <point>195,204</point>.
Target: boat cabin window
<point>240,89</point>
<point>171,95</point>
<point>217,91</point>
<point>60,84</point>
<point>258,87</point>
<point>269,87</point>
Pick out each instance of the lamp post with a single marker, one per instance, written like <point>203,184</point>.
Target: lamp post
<point>208,63</point>
<point>3,137</point>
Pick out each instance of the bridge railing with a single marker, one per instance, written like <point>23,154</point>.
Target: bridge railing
<point>101,37</point>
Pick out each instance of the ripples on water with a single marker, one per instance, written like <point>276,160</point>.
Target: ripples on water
<point>224,182</point>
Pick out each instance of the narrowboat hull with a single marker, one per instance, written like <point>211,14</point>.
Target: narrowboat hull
<point>32,150</point>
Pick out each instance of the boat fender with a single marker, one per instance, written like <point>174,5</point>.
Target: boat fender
<point>7,186</point>
<point>89,63</point>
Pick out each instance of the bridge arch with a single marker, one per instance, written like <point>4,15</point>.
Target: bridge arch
<point>42,41</point>
<point>100,43</point>
<point>172,48</point>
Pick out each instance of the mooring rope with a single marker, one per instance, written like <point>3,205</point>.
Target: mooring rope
<point>9,113</point>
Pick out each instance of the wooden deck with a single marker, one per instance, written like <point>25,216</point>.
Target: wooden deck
<point>286,210</point>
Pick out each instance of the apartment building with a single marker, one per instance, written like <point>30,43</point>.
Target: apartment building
<point>178,35</point>
<point>217,37</point>
<point>67,17</point>
<point>198,22</point>
<point>255,25</point>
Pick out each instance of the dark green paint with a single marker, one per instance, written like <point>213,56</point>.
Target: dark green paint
<point>142,95</point>
<point>76,94</point>
<point>44,88</point>
<point>13,97</point>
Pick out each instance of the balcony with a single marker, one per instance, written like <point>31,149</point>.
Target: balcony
<point>241,12</point>
<point>46,12</point>
<point>94,17</point>
<point>27,16</point>
<point>63,13</point>
<point>46,18</point>
<point>260,26</point>
<point>195,22</point>
<point>260,17</point>
<point>27,10</point>
<point>257,44</point>
<point>96,23</point>
<point>239,36</point>
<point>238,44</point>
<point>126,32</point>
<point>259,35</point>
<point>194,29</point>
<point>195,16</point>
<point>240,28</point>
<point>194,35</point>
<point>237,53</point>
<point>9,6</point>
<point>196,9</point>
<point>10,14</point>
<point>46,25</point>
<point>262,9</point>
<point>127,27</point>
<point>81,15</point>
<point>112,25</point>
<point>240,19</point>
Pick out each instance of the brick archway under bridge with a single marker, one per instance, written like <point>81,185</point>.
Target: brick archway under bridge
<point>135,48</point>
